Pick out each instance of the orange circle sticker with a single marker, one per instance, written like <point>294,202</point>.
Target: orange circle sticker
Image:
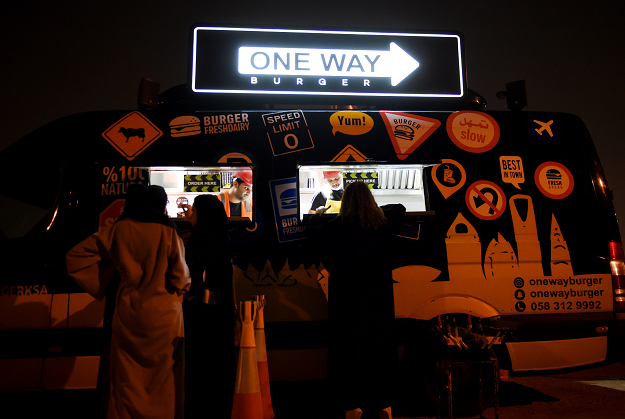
<point>472,131</point>
<point>485,200</point>
<point>554,180</point>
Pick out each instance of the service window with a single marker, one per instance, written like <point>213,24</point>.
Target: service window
<point>321,186</point>
<point>233,185</point>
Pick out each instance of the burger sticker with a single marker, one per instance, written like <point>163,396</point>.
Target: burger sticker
<point>554,180</point>
<point>184,126</point>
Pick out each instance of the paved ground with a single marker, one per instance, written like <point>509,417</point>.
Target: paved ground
<point>582,393</point>
<point>596,392</point>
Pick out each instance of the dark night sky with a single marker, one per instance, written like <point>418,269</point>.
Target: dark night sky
<point>63,57</point>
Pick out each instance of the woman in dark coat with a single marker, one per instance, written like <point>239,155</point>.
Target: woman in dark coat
<point>209,313</point>
<point>362,354</point>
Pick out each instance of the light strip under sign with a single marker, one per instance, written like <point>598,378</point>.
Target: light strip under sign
<point>394,63</point>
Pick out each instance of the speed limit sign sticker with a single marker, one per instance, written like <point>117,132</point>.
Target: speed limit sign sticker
<point>288,132</point>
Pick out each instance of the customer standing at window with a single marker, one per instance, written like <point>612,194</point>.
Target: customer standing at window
<point>147,343</point>
<point>362,355</point>
<point>209,313</point>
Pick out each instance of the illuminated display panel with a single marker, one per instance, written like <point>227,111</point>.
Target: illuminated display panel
<point>389,184</point>
<point>334,63</point>
<point>183,184</point>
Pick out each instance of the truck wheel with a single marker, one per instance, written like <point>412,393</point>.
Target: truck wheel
<point>423,372</point>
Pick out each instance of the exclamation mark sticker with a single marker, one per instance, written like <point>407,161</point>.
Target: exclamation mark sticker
<point>351,122</point>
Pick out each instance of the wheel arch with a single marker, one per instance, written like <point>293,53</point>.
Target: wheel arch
<point>453,304</point>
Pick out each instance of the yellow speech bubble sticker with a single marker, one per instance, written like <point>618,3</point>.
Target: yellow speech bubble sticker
<point>351,122</point>
<point>512,170</point>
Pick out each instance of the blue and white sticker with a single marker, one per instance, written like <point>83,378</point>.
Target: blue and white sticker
<point>284,200</point>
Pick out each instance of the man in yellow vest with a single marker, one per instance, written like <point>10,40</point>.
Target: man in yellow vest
<point>238,200</point>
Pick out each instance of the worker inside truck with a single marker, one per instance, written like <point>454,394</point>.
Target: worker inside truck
<point>328,198</point>
<point>232,185</point>
<point>237,200</point>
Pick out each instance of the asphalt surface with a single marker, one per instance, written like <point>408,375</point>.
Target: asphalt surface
<point>588,392</point>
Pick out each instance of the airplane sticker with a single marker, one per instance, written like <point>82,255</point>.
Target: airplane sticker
<point>544,128</point>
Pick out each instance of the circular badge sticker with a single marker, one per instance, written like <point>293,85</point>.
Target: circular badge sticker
<point>234,157</point>
<point>485,200</point>
<point>554,180</point>
<point>449,176</point>
<point>473,131</point>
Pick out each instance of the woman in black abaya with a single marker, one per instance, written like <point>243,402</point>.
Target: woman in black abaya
<point>362,354</point>
<point>209,313</point>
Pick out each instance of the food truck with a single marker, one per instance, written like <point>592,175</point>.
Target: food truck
<point>508,222</point>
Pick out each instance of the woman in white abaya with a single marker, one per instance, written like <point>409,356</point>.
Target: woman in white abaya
<point>147,343</point>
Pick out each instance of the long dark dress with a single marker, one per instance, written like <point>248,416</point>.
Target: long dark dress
<point>209,329</point>
<point>362,355</point>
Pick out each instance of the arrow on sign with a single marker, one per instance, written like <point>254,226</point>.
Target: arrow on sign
<point>395,63</point>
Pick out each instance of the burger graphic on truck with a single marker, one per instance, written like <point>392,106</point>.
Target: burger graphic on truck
<point>184,126</point>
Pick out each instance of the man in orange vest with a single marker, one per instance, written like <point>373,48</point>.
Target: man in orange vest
<point>237,200</point>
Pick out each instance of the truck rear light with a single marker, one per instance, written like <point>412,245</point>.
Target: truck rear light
<point>617,266</point>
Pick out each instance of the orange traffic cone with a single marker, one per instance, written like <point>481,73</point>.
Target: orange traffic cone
<point>261,357</point>
<point>247,402</point>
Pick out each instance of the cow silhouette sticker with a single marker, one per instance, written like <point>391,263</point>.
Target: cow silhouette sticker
<point>132,134</point>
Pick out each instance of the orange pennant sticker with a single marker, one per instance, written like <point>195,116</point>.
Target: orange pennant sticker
<point>408,131</point>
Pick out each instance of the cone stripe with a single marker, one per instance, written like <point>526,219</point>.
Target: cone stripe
<point>263,374</point>
<point>261,350</point>
<point>247,406</point>
<point>247,373</point>
<point>247,402</point>
<point>261,357</point>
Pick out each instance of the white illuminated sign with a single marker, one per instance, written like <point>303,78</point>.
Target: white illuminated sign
<point>395,63</point>
<point>330,63</point>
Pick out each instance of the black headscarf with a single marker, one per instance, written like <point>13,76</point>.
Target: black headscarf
<point>211,217</point>
<point>146,205</point>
